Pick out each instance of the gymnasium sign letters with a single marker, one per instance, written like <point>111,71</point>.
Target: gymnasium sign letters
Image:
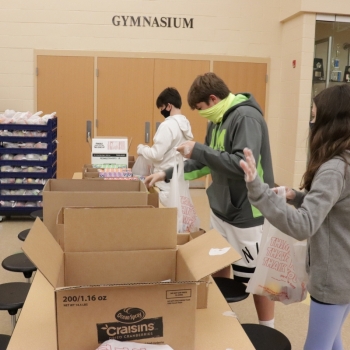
<point>149,21</point>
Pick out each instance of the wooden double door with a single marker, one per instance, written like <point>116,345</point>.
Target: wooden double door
<point>117,94</point>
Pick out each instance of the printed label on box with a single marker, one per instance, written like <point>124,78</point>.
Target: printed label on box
<point>110,145</point>
<point>132,325</point>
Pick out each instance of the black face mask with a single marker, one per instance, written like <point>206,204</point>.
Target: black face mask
<point>165,113</point>
<point>311,125</point>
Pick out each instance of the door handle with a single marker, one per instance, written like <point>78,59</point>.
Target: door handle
<point>147,131</point>
<point>88,130</point>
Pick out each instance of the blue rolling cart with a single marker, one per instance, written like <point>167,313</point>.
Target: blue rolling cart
<point>22,181</point>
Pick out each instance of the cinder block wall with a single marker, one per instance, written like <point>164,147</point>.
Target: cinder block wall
<point>256,29</point>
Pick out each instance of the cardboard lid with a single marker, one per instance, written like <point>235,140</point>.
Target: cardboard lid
<point>203,256</point>
<point>119,229</point>
<point>45,253</point>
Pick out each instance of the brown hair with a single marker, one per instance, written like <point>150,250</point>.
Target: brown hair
<point>204,86</point>
<point>330,135</point>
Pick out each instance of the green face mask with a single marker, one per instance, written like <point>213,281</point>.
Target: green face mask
<point>216,112</point>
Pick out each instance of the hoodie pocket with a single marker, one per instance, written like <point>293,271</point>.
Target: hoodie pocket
<point>220,202</point>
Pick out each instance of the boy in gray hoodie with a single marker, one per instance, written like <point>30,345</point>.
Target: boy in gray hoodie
<point>235,121</point>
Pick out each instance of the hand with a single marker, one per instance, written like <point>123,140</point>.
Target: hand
<point>290,193</point>
<point>152,179</point>
<point>140,147</point>
<point>248,165</point>
<point>186,149</point>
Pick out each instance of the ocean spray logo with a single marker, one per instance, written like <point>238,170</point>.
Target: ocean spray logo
<point>132,325</point>
<point>149,21</point>
<point>130,315</point>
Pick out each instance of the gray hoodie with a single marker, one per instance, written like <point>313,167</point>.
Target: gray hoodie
<point>323,218</point>
<point>242,126</point>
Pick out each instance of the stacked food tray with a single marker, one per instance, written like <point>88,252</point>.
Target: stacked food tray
<point>28,158</point>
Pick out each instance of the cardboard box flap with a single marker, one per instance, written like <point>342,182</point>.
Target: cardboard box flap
<point>135,284</point>
<point>116,229</point>
<point>203,256</point>
<point>67,185</point>
<point>45,253</point>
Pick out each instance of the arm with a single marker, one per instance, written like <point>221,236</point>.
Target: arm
<point>305,221</point>
<point>246,131</point>
<point>161,144</point>
<point>192,170</point>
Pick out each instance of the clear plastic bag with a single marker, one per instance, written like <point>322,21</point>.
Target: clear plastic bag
<point>280,272</point>
<point>180,198</point>
<point>142,166</point>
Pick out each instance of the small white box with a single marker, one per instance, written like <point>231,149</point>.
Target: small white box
<point>110,150</point>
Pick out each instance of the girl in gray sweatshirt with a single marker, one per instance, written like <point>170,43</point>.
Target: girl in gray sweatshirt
<point>321,215</point>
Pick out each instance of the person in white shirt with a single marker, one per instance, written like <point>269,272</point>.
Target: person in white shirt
<point>171,133</point>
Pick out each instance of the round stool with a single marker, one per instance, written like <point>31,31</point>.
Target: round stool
<point>37,214</point>
<point>23,234</point>
<point>12,297</point>
<point>19,263</point>
<point>232,290</point>
<point>266,338</point>
<point>4,341</point>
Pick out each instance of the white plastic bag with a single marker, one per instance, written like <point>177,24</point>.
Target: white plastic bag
<point>180,198</point>
<point>121,345</point>
<point>280,269</point>
<point>142,166</point>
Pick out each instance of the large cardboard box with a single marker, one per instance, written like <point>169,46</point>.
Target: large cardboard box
<point>90,173</point>
<point>103,290</point>
<point>60,193</point>
<point>214,330</point>
<point>109,150</point>
<point>117,225</point>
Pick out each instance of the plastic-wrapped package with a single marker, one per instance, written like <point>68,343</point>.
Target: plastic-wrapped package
<point>32,157</point>
<point>9,113</point>
<point>6,157</point>
<point>19,192</point>
<point>6,168</point>
<point>5,192</point>
<point>27,145</point>
<point>19,157</point>
<point>10,145</point>
<point>9,180</point>
<point>10,204</point>
<point>19,133</point>
<point>40,145</point>
<point>41,181</point>
<point>34,169</point>
<point>40,169</point>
